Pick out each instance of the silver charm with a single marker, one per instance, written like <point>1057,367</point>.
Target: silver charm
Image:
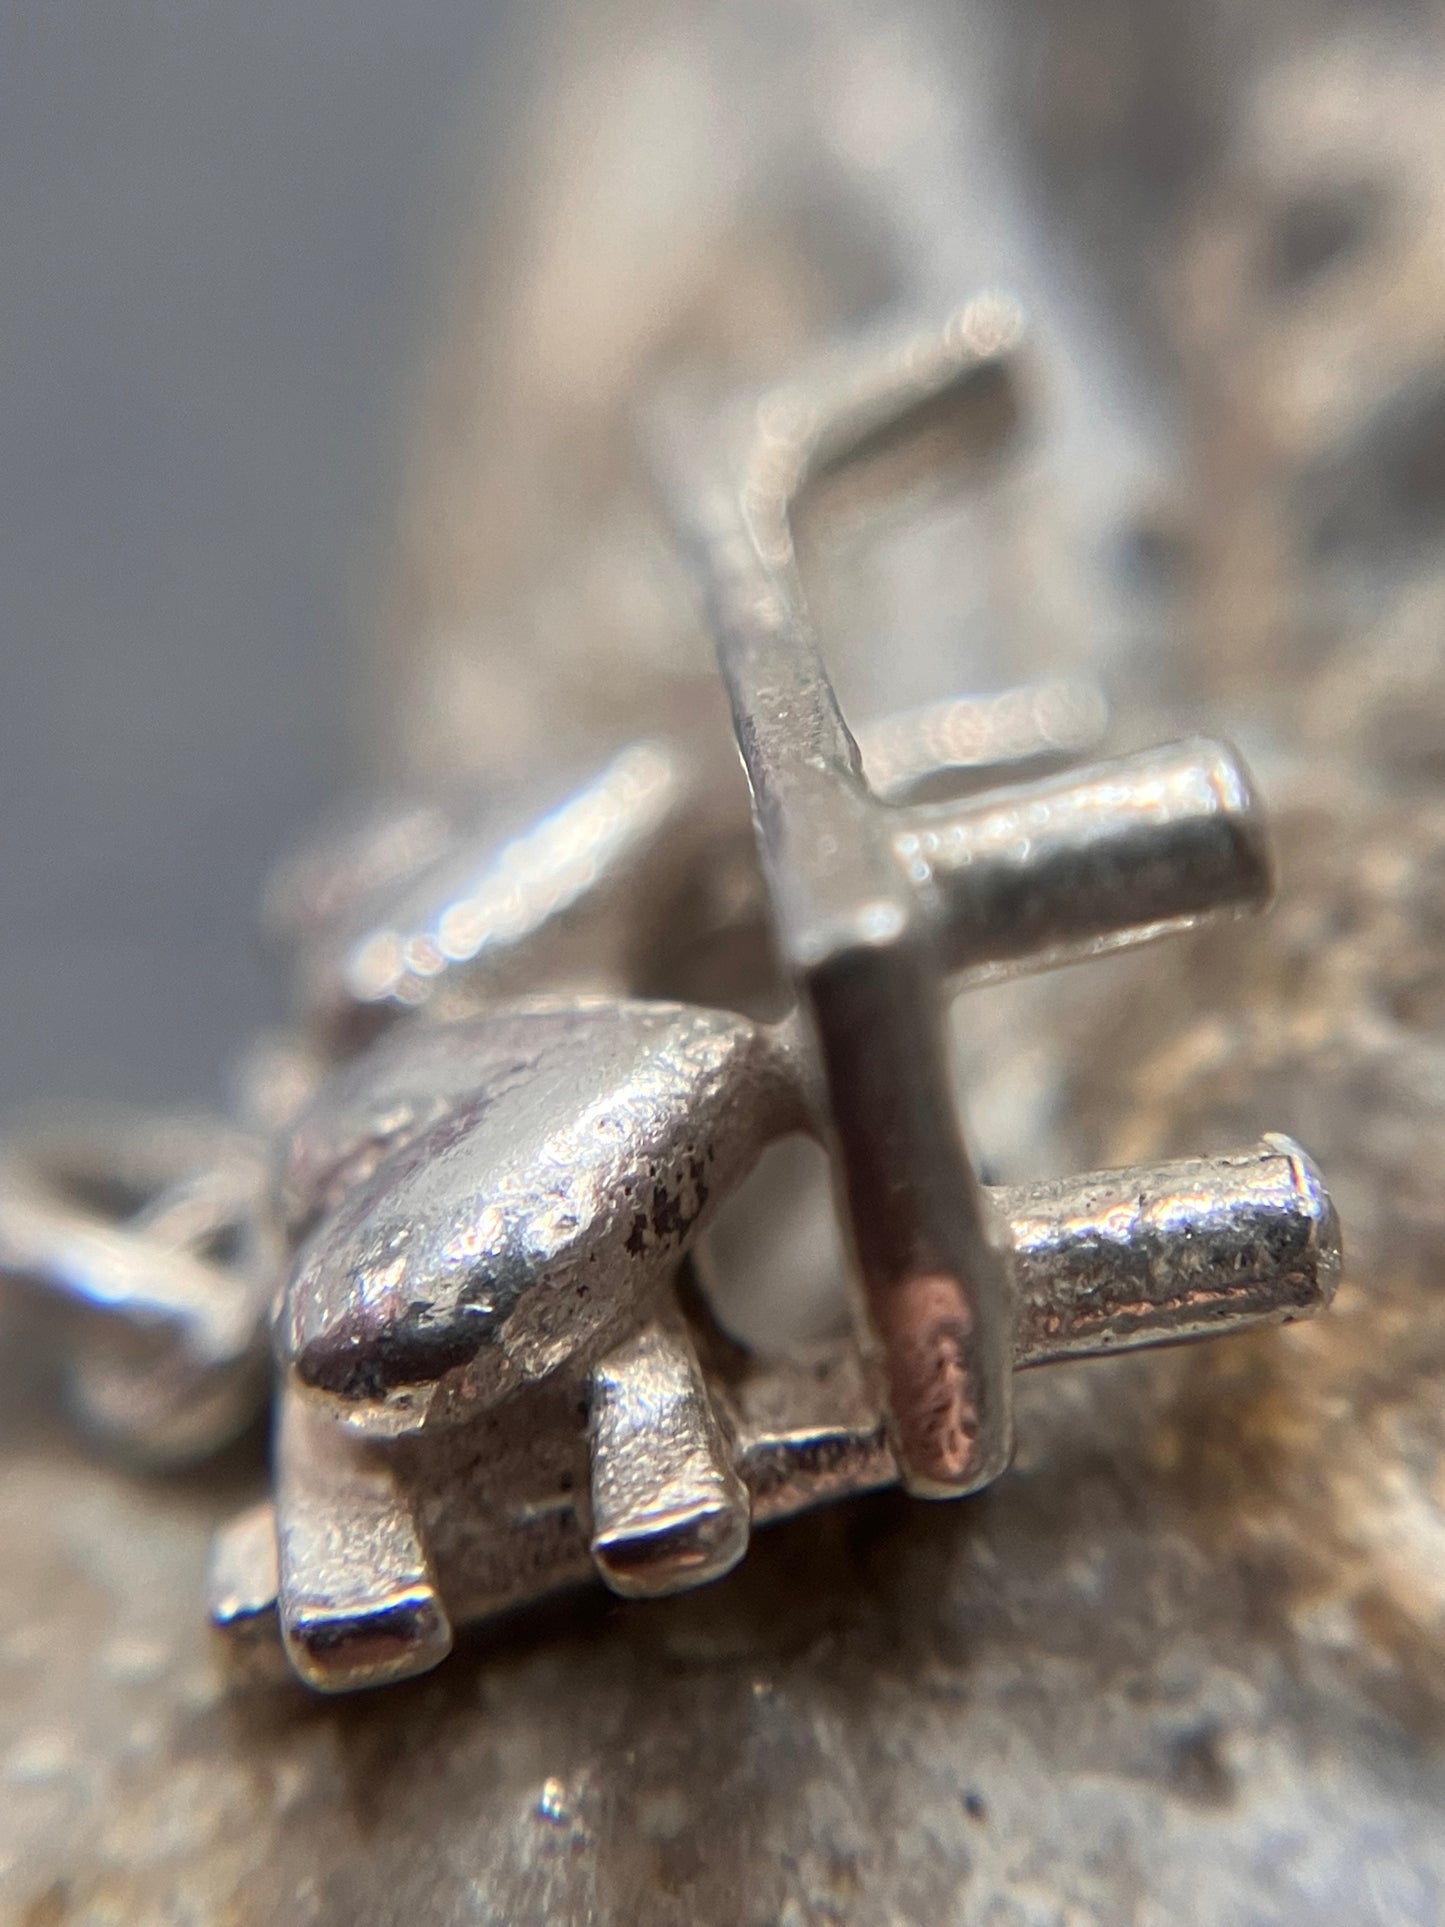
<point>498,1371</point>
<point>502,1136</point>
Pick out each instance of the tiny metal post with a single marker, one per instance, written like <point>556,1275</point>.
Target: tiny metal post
<point>876,906</point>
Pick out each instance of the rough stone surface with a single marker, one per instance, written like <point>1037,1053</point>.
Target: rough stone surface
<point>1184,1663</point>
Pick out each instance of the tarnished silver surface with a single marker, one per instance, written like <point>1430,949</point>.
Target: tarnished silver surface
<point>667,1505</point>
<point>1183,1663</point>
<point>1116,1259</point>
<point>446,907</point>
<point>360,1602</point>
<point>485,1495</point>
<point>501,1205</point>
<point>569,1168</point>
<point>872,905</point>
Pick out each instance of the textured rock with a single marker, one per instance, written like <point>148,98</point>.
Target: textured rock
<point>1184,1663</point>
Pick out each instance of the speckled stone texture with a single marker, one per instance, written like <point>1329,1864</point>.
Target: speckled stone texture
<point>1185,1662</point>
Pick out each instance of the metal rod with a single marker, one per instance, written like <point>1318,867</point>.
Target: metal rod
<point>1159,1254</point>
<point>359,1604</point>
<point>928,1257</point>
<point>1072,865</point>
<point>668,1508</point>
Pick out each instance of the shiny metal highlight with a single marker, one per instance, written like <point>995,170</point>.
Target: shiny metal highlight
<point>872,907</point>
<point>358,1603</point>
<point>683,1454</point>
<point>150,1238</point>
<point>1079,864</point>
<point>498,1375</point>
<point>669,1510</point>
<point>1116,1260</point>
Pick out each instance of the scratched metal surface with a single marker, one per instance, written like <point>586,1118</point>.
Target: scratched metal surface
<point>1185,1661</point>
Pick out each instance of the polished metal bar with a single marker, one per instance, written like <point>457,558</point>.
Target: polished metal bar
<point>1159,1254</point>
<point>1073,865</point>
<point>928,1256</point>
<point>359,1604</point>
<point>668,1508</point>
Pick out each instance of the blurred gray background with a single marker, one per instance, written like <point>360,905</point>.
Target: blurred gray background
<point>214,240</point>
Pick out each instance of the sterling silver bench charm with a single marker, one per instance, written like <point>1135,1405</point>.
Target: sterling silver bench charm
<point>501,1141</point>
